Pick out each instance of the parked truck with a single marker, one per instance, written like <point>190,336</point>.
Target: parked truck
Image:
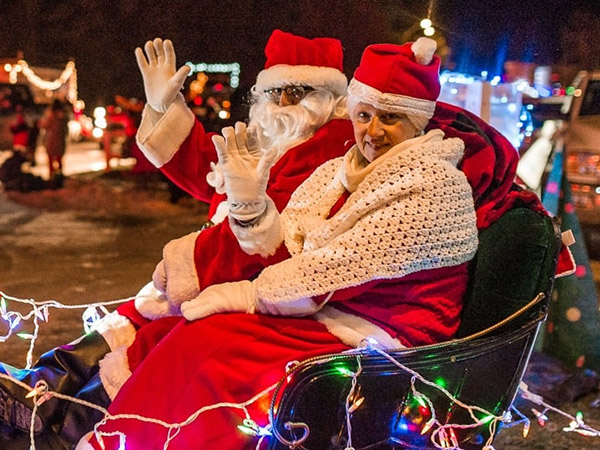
<point>582,152</point>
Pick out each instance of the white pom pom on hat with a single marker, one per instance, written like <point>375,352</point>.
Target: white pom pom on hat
<point>423,49</point>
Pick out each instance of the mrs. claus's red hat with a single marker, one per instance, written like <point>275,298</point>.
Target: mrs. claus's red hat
<point>296,60</point>
<point>399,78</point>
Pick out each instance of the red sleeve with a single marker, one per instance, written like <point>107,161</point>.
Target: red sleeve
<point>191,163</point>
<point>128,310</point>
<point>219,258</point>
<point>299,162</point>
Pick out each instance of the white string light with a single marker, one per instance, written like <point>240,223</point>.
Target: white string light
<point>69,74</point>
<point>350,408</point>
<point>442,436</point>
<point>577,424</point>
<point>40,312</point>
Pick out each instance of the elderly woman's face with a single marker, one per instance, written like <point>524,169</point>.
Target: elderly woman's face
<point>376,130</point>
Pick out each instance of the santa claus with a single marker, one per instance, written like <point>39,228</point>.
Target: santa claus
<point>298,109</point>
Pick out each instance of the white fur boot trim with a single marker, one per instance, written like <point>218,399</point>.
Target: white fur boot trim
<point>114,371</point>
<point>352,330</point>
<point>116,330</point>
<point>84,442</point>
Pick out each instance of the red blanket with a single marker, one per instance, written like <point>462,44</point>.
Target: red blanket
<point>490,164</point>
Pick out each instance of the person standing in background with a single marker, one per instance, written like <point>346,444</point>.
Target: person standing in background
<point>54,124</point>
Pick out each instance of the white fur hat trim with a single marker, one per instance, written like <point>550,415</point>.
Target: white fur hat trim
<point>391,102</point>
<point>317,77</point>
<point>423,49</point>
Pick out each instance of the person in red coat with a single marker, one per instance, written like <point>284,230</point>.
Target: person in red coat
<point>298,107</point>
<point>20,131</point>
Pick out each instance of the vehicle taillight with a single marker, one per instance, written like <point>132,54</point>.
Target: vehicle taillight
<point>585,196</point>
<point>583,167</point>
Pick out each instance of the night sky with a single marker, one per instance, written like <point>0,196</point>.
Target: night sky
<point>102,35</point>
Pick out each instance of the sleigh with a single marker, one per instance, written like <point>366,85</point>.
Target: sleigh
<point>446,395</point>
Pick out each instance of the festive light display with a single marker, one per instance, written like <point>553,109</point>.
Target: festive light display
<point>68,75</point>
<point>417,415</point>
<point>233,69</point>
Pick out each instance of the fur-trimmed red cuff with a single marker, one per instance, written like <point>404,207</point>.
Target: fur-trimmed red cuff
<point>160,135</point>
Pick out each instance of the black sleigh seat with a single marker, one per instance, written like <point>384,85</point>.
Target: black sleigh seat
<point>365,400</point>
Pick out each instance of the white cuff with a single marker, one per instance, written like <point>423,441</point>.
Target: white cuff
<point>352,330</point>
<point>262,237</point>
<point>160,135</point>
<point>114,371</point>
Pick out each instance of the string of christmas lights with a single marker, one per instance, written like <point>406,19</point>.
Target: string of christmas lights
<point>40,312</point>
<point>442,436</point>
<point>40,393</point>
<point>69,74</point>
<point>352,403</point>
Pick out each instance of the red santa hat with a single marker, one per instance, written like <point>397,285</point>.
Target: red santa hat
<point>399,78</point>
<point>297,61</point>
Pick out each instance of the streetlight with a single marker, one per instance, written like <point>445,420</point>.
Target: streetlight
<point>427,27</point>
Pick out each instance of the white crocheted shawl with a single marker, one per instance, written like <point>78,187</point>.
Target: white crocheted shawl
<point>413,212</point>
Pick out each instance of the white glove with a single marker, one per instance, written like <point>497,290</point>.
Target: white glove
<point>153,304</point>
<point>239,296</point>
<point>159,277</point>
<point>245,171</point>
<point>161,82</point>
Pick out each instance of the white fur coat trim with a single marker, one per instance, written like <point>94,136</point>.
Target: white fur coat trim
<point>116,330</point>
<point>353,330</point>
<point>280,75</point>
<point>84,442</point>
<point>114,371</point>
<point>264,237</point>
<point>160,135</point>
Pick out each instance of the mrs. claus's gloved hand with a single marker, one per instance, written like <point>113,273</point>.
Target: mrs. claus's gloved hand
<point>161,82</point>
<point>237,296</point>
<point>245,169</point>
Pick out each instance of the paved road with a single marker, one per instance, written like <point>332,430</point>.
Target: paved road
<point>96,240</point>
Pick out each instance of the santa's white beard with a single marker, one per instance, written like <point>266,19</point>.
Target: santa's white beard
<point>286,126</point>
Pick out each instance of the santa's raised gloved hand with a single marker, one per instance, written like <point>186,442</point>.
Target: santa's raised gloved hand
<point>245,169</point>
<point>162,82</point>
<point>238,296</point>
